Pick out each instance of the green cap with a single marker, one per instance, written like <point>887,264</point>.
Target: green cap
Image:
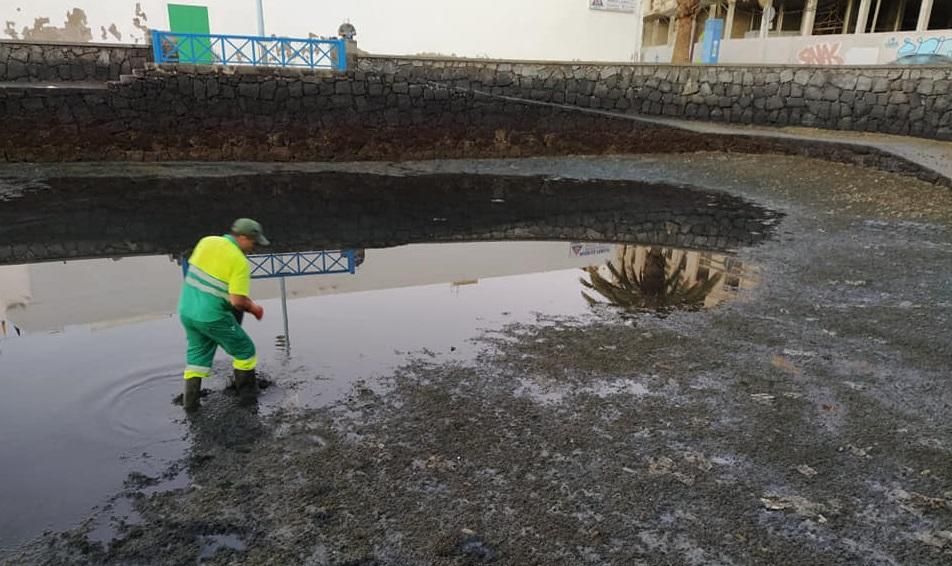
<point>250,228</point>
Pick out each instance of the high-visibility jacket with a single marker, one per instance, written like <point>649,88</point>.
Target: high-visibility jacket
<point>217,268</point>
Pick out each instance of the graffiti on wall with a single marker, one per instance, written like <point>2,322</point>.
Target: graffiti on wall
<point>921,46</point>
<point>821,54</point>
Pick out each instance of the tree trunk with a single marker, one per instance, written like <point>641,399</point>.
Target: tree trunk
<point>687,11</point>
<point>653,276</point>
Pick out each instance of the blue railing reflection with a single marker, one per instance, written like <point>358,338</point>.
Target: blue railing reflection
<point>264,266</point>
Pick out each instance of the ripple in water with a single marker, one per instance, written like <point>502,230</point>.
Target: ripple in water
<point>132,408</point>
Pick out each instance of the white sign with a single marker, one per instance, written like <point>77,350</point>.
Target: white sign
<point>613,5</point>
<point>583,250</point>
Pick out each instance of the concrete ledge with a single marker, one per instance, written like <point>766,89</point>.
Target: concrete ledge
<point>38,88</point>
<point>930,155</point>
<point>560,63</point>
<point>77,44</point>
<point>243,70</point>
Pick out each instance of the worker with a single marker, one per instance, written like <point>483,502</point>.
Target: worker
<point>216,285</point>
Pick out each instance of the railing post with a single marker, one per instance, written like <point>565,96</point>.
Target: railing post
<point>284,314</point>
<point>158,55</point>
<point>351,261</point>
<point>341,55</point>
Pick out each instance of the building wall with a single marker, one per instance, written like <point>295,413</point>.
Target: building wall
<point>849,49</point>
<point>852,49</point>
<point>522,29</point>
<point>136,288</point>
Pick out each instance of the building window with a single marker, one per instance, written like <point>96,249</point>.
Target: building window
<point>892,15</point>
<point>831,16</point>
<point>941,16</point>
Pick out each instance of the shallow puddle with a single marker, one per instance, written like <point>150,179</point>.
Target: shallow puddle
<point>93,351</point>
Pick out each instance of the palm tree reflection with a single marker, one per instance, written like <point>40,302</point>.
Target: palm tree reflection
<point>661,279</point>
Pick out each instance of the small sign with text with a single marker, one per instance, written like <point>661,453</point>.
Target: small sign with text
<point>613,5</point>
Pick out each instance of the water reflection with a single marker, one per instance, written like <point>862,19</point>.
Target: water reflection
<point>105,293</point>
<point>14,293</point>
<point>97,294</point>
<point>89,384</point>
<point>639,278</point>
<point>333,210</point>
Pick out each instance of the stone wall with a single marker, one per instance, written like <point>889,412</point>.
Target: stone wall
<point>897,100</point>
<point>391,109</point>
<point>911,100</point>
<point>55,62</point>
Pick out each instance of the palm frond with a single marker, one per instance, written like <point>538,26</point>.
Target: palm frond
<point>656,287</point>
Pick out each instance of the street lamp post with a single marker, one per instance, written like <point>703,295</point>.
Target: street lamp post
<point>260,6</point>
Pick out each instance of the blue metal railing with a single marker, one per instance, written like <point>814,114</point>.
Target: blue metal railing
<point>211,49</point>
<point>295,264</point>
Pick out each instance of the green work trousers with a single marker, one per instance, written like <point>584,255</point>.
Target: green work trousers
<point>205,337</point>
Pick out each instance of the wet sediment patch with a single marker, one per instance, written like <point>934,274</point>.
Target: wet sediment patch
<point>804,423</point>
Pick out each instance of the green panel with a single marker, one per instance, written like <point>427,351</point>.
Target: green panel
<point>191,19</point>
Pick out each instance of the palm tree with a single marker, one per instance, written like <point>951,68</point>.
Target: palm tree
<point>686,12</point>
<point>653,288</point>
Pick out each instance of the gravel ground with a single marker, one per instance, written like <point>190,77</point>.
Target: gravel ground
<point>807,423</point>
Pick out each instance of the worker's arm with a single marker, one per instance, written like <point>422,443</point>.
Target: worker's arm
<point>239,287</point>
<point>244,303</point>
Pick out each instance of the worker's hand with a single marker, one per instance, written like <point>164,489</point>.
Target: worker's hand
<point>257,311</point>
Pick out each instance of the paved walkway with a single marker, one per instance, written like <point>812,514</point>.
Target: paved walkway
<point>932,154</point>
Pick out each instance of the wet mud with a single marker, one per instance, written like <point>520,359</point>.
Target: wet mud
<point>806,423</point>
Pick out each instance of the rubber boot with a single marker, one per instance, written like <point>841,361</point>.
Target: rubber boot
<point>246,383</point>
<point>192,399</point>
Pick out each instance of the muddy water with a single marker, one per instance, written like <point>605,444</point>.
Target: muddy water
<point>92,354</point>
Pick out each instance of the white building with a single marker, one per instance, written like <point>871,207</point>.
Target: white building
<point>825,32</point>
<point>814,32</point>
<point>595,30</point>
